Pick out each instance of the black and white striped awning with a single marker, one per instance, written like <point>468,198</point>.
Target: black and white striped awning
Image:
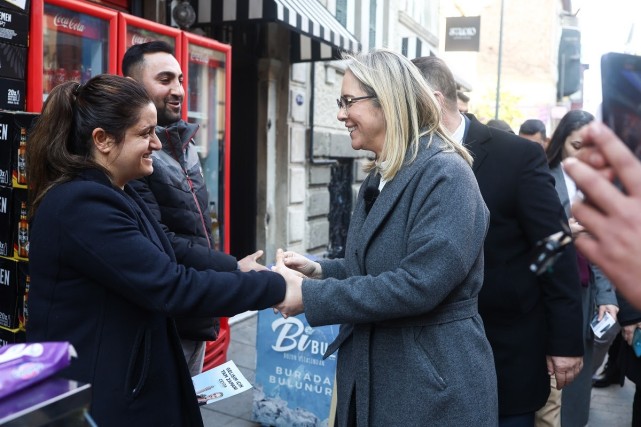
<point>316,34</point>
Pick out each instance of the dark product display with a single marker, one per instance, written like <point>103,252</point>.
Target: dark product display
<point>13,281</point>
<point>11,337</point>
<point>17,5</point>
<point>14,135</point>
<point>13,61</point>
<point>6,231</point>
<point>14,27</point>
<point>14,227</point>
<point>20,226</point>
<point>12,94</point>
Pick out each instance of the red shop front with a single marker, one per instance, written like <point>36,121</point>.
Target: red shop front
<point>75,40</point>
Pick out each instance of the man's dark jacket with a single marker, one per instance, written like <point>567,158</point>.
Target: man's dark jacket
<point>177,196</point>
<point>526,316</point>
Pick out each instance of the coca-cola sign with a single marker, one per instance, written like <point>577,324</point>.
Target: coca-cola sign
<point>69,23</point>
<point>139,39</point>
<point>198,58</point>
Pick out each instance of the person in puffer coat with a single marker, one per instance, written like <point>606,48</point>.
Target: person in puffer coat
<point>176,193</point>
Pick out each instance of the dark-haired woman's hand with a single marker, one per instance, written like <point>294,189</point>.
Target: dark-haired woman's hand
<point>293,302</point>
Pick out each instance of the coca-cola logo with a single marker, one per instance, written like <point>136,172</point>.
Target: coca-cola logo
<point>138,39</point>
<point>199,59</point>
<point>72,24</point>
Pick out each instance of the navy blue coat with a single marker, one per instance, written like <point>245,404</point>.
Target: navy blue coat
<point>104,277</point>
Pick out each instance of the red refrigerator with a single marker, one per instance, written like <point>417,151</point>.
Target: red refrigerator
<point>134,30</point>
<point>76,39</point>
<point>68,40</point>
<point>207,80</point>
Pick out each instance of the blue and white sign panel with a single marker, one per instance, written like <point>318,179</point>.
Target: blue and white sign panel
<point>293,383</point>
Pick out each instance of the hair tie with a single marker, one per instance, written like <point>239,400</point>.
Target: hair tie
<point>77,89</point>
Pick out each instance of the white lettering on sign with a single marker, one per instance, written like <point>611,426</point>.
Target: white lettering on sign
<point>3,204</point>
<point>5,17</point>
<point>4,277</point>
<point>462,32</point>
<point>13,97</point>
<point>73,24</point>
<point>138,39</point>
<point>4,131</point>
<point>291,337</point>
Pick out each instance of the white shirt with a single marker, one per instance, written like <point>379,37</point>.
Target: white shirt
<point>459,133</point>
<point>571,187</point>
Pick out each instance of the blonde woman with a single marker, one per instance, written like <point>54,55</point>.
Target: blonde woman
<point>413,350</point>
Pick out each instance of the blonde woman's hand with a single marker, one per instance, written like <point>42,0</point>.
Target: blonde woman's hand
<point>302,264</point>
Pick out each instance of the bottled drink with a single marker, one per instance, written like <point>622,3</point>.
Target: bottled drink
<point>60,77</point>
<point>22,163</point>
<point>23,232</point>
<point>24,317</point>
<point>75,75</point>
<point>49,76</point>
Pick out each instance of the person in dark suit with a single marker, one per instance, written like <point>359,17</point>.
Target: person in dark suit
<point>103,273</point>
<point>412,347</point>
<point>533,322</point>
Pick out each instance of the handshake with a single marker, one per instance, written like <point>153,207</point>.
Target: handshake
<point>293,267</point>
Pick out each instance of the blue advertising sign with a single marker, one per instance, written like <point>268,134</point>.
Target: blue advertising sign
<point>293,383</point>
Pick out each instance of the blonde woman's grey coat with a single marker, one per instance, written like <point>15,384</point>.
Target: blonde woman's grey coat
<point>412,346</point>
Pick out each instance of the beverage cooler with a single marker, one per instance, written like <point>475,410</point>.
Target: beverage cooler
<point>76,40</point>
<point>207,82</point>
<point>134,30</point>
<point>206,66</point>
<point>69,40</point>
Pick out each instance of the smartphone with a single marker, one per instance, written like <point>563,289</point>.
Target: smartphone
<point>621,107</point>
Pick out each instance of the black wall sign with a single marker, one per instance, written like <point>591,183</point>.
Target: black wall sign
<point>462,33</point>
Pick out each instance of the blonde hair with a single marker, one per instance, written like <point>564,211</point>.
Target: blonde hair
<point>409,107</point>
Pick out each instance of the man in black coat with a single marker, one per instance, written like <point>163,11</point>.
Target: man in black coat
<point>534,323</point>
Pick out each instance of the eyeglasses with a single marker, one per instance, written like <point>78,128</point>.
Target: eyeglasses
<point>344,102</point>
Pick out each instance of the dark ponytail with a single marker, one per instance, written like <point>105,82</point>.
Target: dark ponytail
<point>61,143</point>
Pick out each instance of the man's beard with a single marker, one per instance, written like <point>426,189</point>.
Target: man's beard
<point>167,117</point>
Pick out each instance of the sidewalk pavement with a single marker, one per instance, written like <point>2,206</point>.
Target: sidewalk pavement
<point>611,406</point>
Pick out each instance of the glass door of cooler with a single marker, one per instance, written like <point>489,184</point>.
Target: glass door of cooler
<point>134,30</point>
<point>70,41</point>
<point>208,83</point>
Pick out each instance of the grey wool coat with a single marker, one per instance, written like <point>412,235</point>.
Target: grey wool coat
<point>413,349</point>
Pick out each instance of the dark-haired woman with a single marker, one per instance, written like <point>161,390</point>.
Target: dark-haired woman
<point>103,274</point>
<point>597,293</point>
